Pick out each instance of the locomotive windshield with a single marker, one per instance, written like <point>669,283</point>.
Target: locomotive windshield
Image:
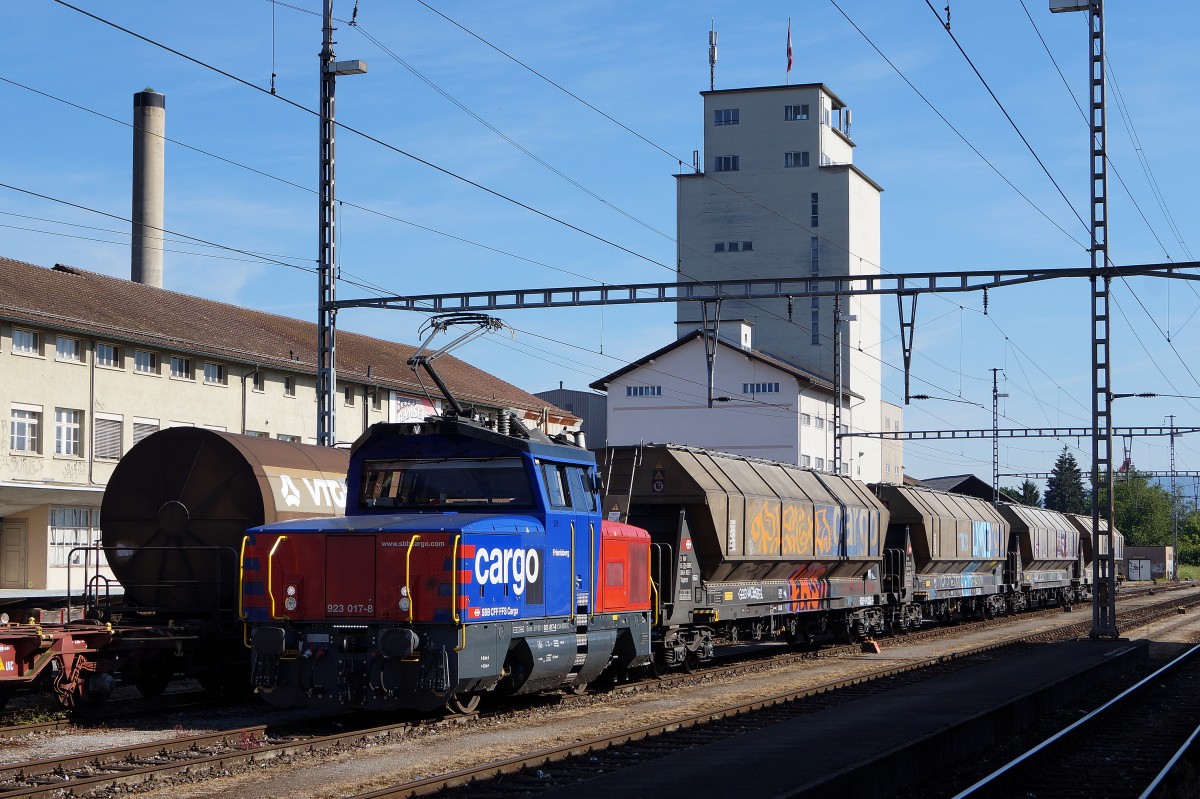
<point>450,484</point>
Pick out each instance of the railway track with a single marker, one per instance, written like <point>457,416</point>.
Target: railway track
<point>558,767</point>
<point>1127,745</point>
<point>219,751</point>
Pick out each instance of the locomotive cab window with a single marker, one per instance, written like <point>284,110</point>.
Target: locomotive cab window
<point>556,485</point>
<point>450,484</point>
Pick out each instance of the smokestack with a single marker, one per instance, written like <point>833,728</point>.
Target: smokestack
<point>149,126</point>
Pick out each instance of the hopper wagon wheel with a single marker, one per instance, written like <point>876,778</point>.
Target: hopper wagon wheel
<point>154,676</point>
<point>691,662</point>
<point>576,689</point>
<point>463,704</point>
<point>658,664</point>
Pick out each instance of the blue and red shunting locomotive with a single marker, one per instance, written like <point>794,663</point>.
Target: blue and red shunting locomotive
<point>469,560</point>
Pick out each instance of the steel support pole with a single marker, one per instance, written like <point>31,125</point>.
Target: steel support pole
<point>326,246</point>
<point>1104,578</point>
<point>837,384</point>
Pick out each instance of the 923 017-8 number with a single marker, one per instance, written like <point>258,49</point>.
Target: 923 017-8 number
<point>359,608</point>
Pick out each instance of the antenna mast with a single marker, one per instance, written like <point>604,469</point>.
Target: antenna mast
<point>712,55</point>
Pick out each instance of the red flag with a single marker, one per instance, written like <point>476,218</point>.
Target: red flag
<point>789,69</point>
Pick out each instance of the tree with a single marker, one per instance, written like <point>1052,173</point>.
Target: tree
<point>1027,494</point>
<point>1142,510</point>
<point>1064,489</point>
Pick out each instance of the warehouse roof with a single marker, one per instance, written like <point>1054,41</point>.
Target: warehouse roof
<point>92,304</point>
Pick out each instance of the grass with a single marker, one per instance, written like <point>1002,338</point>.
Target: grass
<point>1187,572</point>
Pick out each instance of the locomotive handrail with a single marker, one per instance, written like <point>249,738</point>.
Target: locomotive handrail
<point>242,575</point>
<point>574,606</point>
<point>270,580</point>
<point>656,617</point>
<point>241,592</point>
<point>591,589</point>
<point>408,574</point>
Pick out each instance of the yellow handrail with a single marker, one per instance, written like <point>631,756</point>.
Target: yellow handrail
<point>270,567</point>
<point>408,574</point>
<point>656,616</point>
<point>242,576</point>
<point>242,591</point>
<point>591,568</point>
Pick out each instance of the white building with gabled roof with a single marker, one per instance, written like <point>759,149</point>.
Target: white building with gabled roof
<point>762,406</point>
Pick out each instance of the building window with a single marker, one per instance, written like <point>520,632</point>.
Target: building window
<point>760,388</point>
<point>26,342</point>
<point>643,391</point>
<point>747,246</point>
<point>805,419</point>
<point>174,423</point>
<point>71,528</point>
<point>108,355</point>
<point>887,468</point>
<point>377,398</point>
<point>145,362</point>
<point>348,395</point>
<point>214,374</point>
<point>725,116</point>
<point>795,113</point>
<point>887,423</point>
<point>728,163</point>
<point>285,437</point>
<point>795,159</point>
<point>181,367</point>
<point>814,255</point>
<point>67,422</point>
<point>107,442</point>
<point>67,349</point>
<point>820,423</point>
<point>719,246</point>
<point>820,464</point>
<point>143,428</point>
<point>259,381</point>
<point>258,433</point>
<point>733,246</point>
<point>289,386</point>
<point>24,430</point>
<point>805,462</point>
<point>814,215</point>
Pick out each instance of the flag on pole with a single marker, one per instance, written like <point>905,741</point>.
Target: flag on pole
<point>789,48</point>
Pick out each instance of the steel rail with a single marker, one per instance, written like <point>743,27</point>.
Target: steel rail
<point>1101,713</point>
<point>435,784</point>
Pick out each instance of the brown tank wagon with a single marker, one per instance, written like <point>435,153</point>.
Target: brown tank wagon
<point>180,501</point>
<point>172,522</point>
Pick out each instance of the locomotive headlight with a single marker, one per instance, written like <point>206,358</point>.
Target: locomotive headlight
<point>291,591</point>
<point>289,603</point>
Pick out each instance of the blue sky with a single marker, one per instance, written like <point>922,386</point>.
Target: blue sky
<point>944,207</point>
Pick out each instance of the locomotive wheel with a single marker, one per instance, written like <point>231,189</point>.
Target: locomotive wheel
<point>691,662</point>
<point>658,665</point>
<point>463,704</point>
